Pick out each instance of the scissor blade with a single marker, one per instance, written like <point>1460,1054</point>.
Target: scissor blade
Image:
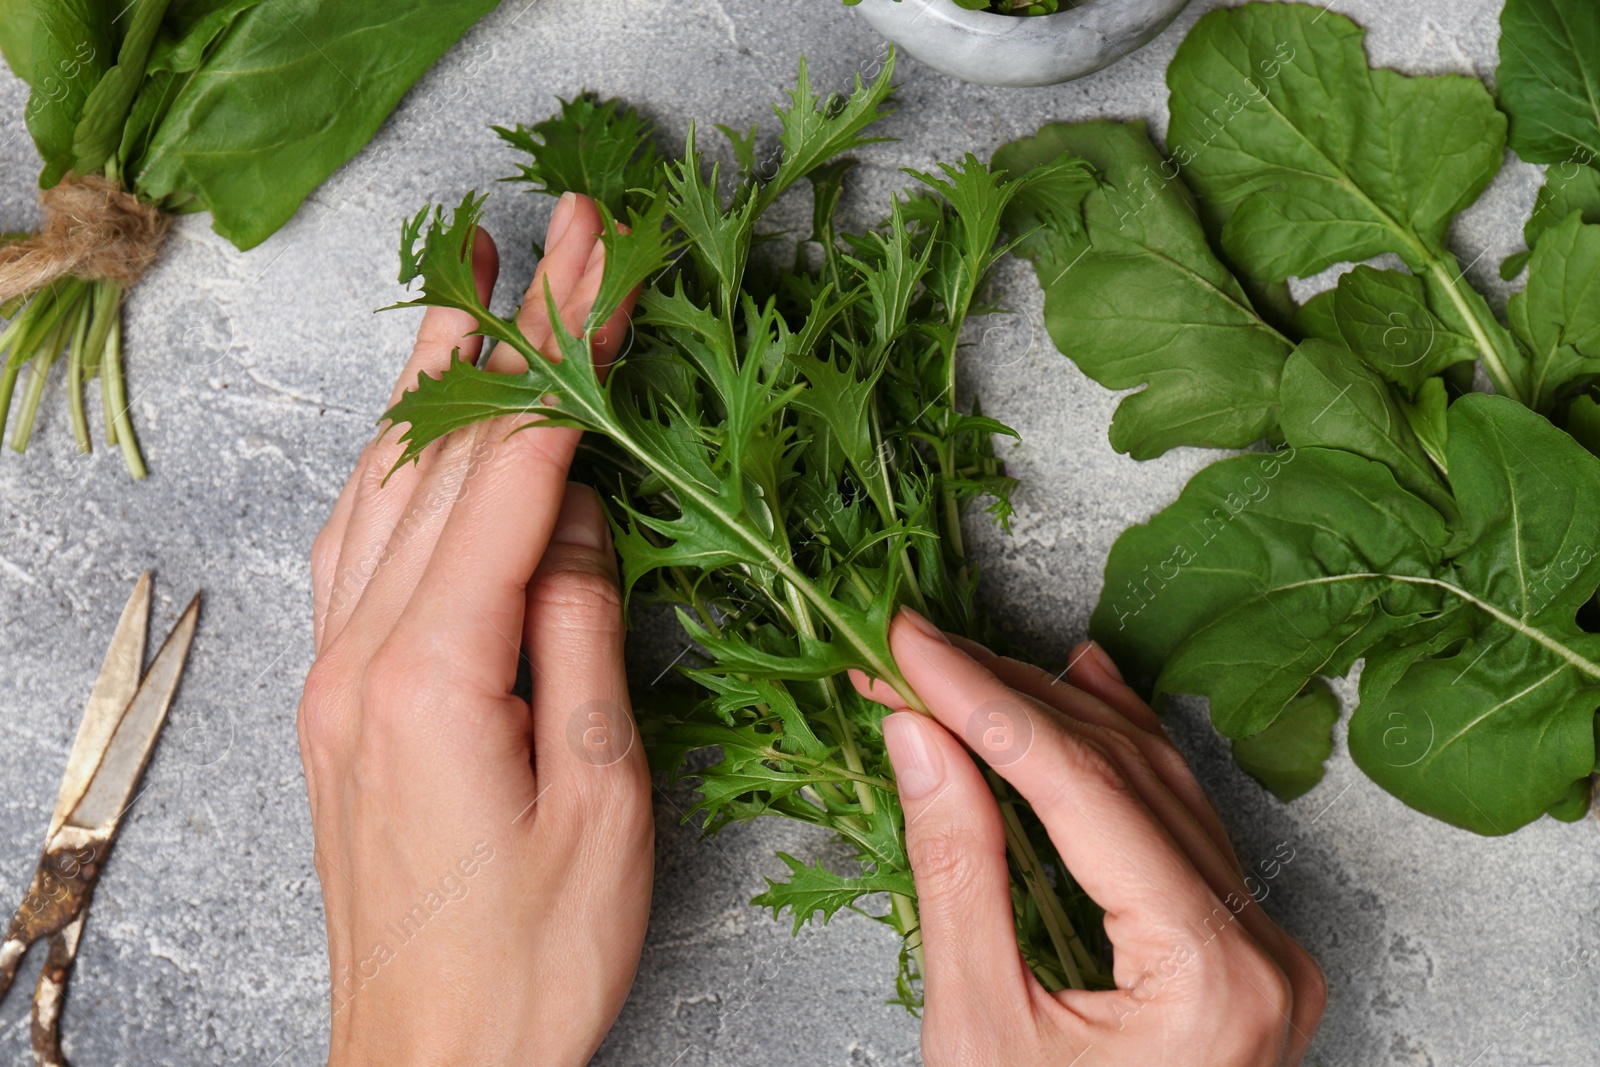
<point>108,794</point>
<point>113,692</point>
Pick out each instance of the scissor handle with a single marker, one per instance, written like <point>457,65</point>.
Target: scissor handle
<point>56,899</point>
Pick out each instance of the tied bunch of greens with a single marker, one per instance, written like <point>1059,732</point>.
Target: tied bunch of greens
<point>786,464</point>
<point>1447,536</point>
<point>149,108</point>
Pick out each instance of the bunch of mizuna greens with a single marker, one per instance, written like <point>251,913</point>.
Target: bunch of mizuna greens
<point>1398,510</point>
<point>787,464</point>
<point>237,107</point>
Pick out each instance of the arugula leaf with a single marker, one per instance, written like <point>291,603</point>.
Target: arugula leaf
<point>1288,756</point>
<point>1383,315</point>
<point>1333,401</point>
<point>1557,317</point>
<point>1275,110</point>
<point>1245,592</point>
<point>252,164</point>
<point>1496,725</point>
<point>1549,79</point>
<point>598,147</point>
<point>1566,189</point>
<point>1142,300</point>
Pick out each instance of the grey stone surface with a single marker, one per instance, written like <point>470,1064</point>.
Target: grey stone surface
<point>257,378</point>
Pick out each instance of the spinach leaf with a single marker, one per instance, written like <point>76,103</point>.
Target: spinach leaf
<point>1557,317</point>
<point>1549,78</point>
<point>99,129</point>
<point>1288,756</point>
<point>73,47</point>
<point>1275,110</point>
<point>16,37</point>
<point>252,152</point>
<point>1138,298</point>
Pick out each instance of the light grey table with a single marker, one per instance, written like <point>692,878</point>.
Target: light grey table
<point>257,378</point>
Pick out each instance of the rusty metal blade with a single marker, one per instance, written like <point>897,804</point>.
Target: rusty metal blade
<point>108,794</point>
<point>113,692</point>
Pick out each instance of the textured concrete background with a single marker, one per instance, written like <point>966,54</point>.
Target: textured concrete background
<point>257,378</point>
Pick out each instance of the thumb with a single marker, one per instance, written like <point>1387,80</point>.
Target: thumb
<point>956,843</point>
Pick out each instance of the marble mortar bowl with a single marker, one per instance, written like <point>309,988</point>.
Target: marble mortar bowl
<point>990,49</point>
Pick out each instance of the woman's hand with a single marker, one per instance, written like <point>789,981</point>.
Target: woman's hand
<point>485,861</point>
<point>1204,978</point>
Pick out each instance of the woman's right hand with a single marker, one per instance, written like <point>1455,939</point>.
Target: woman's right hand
<point>1204,978</point>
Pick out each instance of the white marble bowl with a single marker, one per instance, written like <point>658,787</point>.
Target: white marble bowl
<point>990,49</point>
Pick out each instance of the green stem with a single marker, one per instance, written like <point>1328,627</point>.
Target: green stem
<point>1075,959</point>
<point>80,338</point>
<point>39,366</point>
<point>115,397</point>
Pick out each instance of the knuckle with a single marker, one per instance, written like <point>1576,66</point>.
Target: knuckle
<point>945,860</point>
<point>1310,984</point>
<point>1090,762</point>
<point>578,597</point>
<point>322,704</point>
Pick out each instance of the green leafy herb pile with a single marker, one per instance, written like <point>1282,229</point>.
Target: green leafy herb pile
<point>1447,536</point>
<point>787,464</point>
<point>237,107</point>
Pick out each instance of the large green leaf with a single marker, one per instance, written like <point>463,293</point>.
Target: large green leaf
<point>1224,593</point>
<point>1383,315</point>
<point>1142,300</point>
<point>16,37</point>
<point>1324,160</point>
<point>1334,401</point>
<point>1288,756</point>
<point>1557,317</point>
<point>1549,78</point>
<point>99,129</point>
<point>294,89</point>
<point>1567,188</point>
<point>1492,729</point>
<point>74,44</point>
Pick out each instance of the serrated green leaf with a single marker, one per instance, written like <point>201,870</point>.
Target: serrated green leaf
<point>814,888</point>
<point>600,148</point>
<point>816,129</point>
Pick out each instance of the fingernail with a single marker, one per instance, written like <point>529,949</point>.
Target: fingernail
<point>583,520</point>
<point>560,220</point>
<point>923,626</point>
<point>1104,659</point>
<point>918,766</point>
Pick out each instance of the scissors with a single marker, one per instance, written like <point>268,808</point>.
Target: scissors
<point>119,729</point>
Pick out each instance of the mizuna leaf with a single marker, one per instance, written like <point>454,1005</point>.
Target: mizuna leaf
<point>1144,301</point>
<point>1288,756</point>
<point>1549,79</point>
<point>816,129</point>
<point>600,148</point>
<point>814,888</point>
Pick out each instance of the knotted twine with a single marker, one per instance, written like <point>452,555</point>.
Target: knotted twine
<point>93,230</point>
